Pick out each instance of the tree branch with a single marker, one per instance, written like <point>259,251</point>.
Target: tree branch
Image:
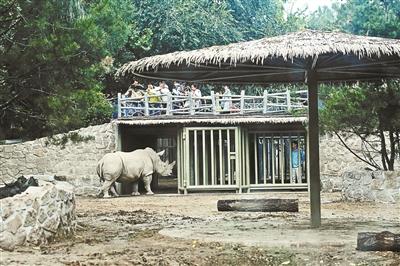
<point>350,150</point>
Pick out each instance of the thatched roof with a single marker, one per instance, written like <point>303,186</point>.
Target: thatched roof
<point>287,55</point>
<point>223,120</point>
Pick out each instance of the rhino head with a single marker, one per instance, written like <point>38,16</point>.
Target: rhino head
<point>163,168</point>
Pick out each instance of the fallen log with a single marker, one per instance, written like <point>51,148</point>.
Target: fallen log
<point>259,205</point>
<point>383,241</point>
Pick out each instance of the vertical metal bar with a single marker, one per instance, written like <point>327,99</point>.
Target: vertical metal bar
<point>238,158</point>
<point>290,158</point>
<point>221,162</point>
<point>178,160</point>
<point>299,172</point>
<point>186,180</point>
<point>273,158</point>
<point>247,161</point>
<point>212,157</point>
<point>196,165</point>
<point>204,156</point>
<point>229,155</point>
<point>282,158</point>
<point>264,161</point>
<point>255,158</point>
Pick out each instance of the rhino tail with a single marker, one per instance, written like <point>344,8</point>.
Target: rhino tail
<point>99,170</point>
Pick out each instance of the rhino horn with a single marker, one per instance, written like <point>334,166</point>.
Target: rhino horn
<point>161,153</point>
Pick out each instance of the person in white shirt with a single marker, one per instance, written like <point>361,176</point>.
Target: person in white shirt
<point>195,94</point>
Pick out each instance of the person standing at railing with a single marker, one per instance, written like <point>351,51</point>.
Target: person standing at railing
<point>165,92</point>
<point>178,90</point>
<point>196,94</point>
<point>153,98</point>
<point>226,99</point>
<point>132,98</point>
<point>297,158</point>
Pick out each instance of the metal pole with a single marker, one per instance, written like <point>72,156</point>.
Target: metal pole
<point>313,150</point>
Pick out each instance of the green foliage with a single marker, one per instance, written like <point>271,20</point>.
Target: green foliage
<point>367,110</point>
<point>372,17</point>
<point>63,139</point>
<point>52,63</point>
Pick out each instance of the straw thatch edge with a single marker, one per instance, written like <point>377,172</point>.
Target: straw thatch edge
<point>303,44</point>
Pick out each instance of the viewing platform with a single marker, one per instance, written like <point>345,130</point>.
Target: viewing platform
<point>169,105</point>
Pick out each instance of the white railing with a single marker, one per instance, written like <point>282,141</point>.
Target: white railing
<point>214,104</point>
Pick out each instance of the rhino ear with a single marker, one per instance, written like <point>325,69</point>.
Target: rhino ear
<point>167,162</point>
<point>161,153</point>
<point>172,164</point>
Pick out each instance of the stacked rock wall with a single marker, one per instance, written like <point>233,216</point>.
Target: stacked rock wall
<point>335,160</point>
<point>378,186</point>
<point>76,161</point>
<point>37,215</point>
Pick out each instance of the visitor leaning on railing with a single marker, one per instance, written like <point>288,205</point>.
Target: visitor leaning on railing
<point>153,102</point>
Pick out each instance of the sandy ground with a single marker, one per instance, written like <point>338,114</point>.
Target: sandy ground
<point>188,230</point>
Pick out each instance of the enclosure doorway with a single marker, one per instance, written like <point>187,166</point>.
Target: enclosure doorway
<point>277,160</point>
<point>209,159</point>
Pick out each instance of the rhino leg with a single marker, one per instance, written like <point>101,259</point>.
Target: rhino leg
<point>114,190</point>
<point>135,189</point>
<point>147,181</point>
<point>106,188</point>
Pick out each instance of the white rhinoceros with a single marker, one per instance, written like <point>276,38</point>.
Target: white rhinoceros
<point>130,167</point>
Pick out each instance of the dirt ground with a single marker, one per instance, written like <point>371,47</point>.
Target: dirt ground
<point>188,230</point>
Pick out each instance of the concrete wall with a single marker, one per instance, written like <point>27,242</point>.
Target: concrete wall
<point>77,162</point>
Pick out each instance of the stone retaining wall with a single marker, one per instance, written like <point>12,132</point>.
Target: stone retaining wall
<point>335,160</point>
<point>76,162</point>
<point>379,186</point>
<point>37,215</point>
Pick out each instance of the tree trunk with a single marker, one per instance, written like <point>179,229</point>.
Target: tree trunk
<point>259,205</point>
<point>384,241</point>
<point>383,149</point>
<point>392,150</point>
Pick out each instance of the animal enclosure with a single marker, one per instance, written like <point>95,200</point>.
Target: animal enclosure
<point>224,157</point>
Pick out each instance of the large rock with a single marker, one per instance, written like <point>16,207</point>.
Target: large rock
<point>37,215</point>
<point>379,186</point>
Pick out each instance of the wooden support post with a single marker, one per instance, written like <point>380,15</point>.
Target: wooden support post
<point>384,241</point>
<point>288,102</point>
<point>242,93</point>
<point>313,150</point>
<point>265,102</point>
<point>213,103</point>
<point>259,205</point>
<point>191,105</point>
<point>169,104</point>
<point>119,104</point>
<point>146,105</point>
